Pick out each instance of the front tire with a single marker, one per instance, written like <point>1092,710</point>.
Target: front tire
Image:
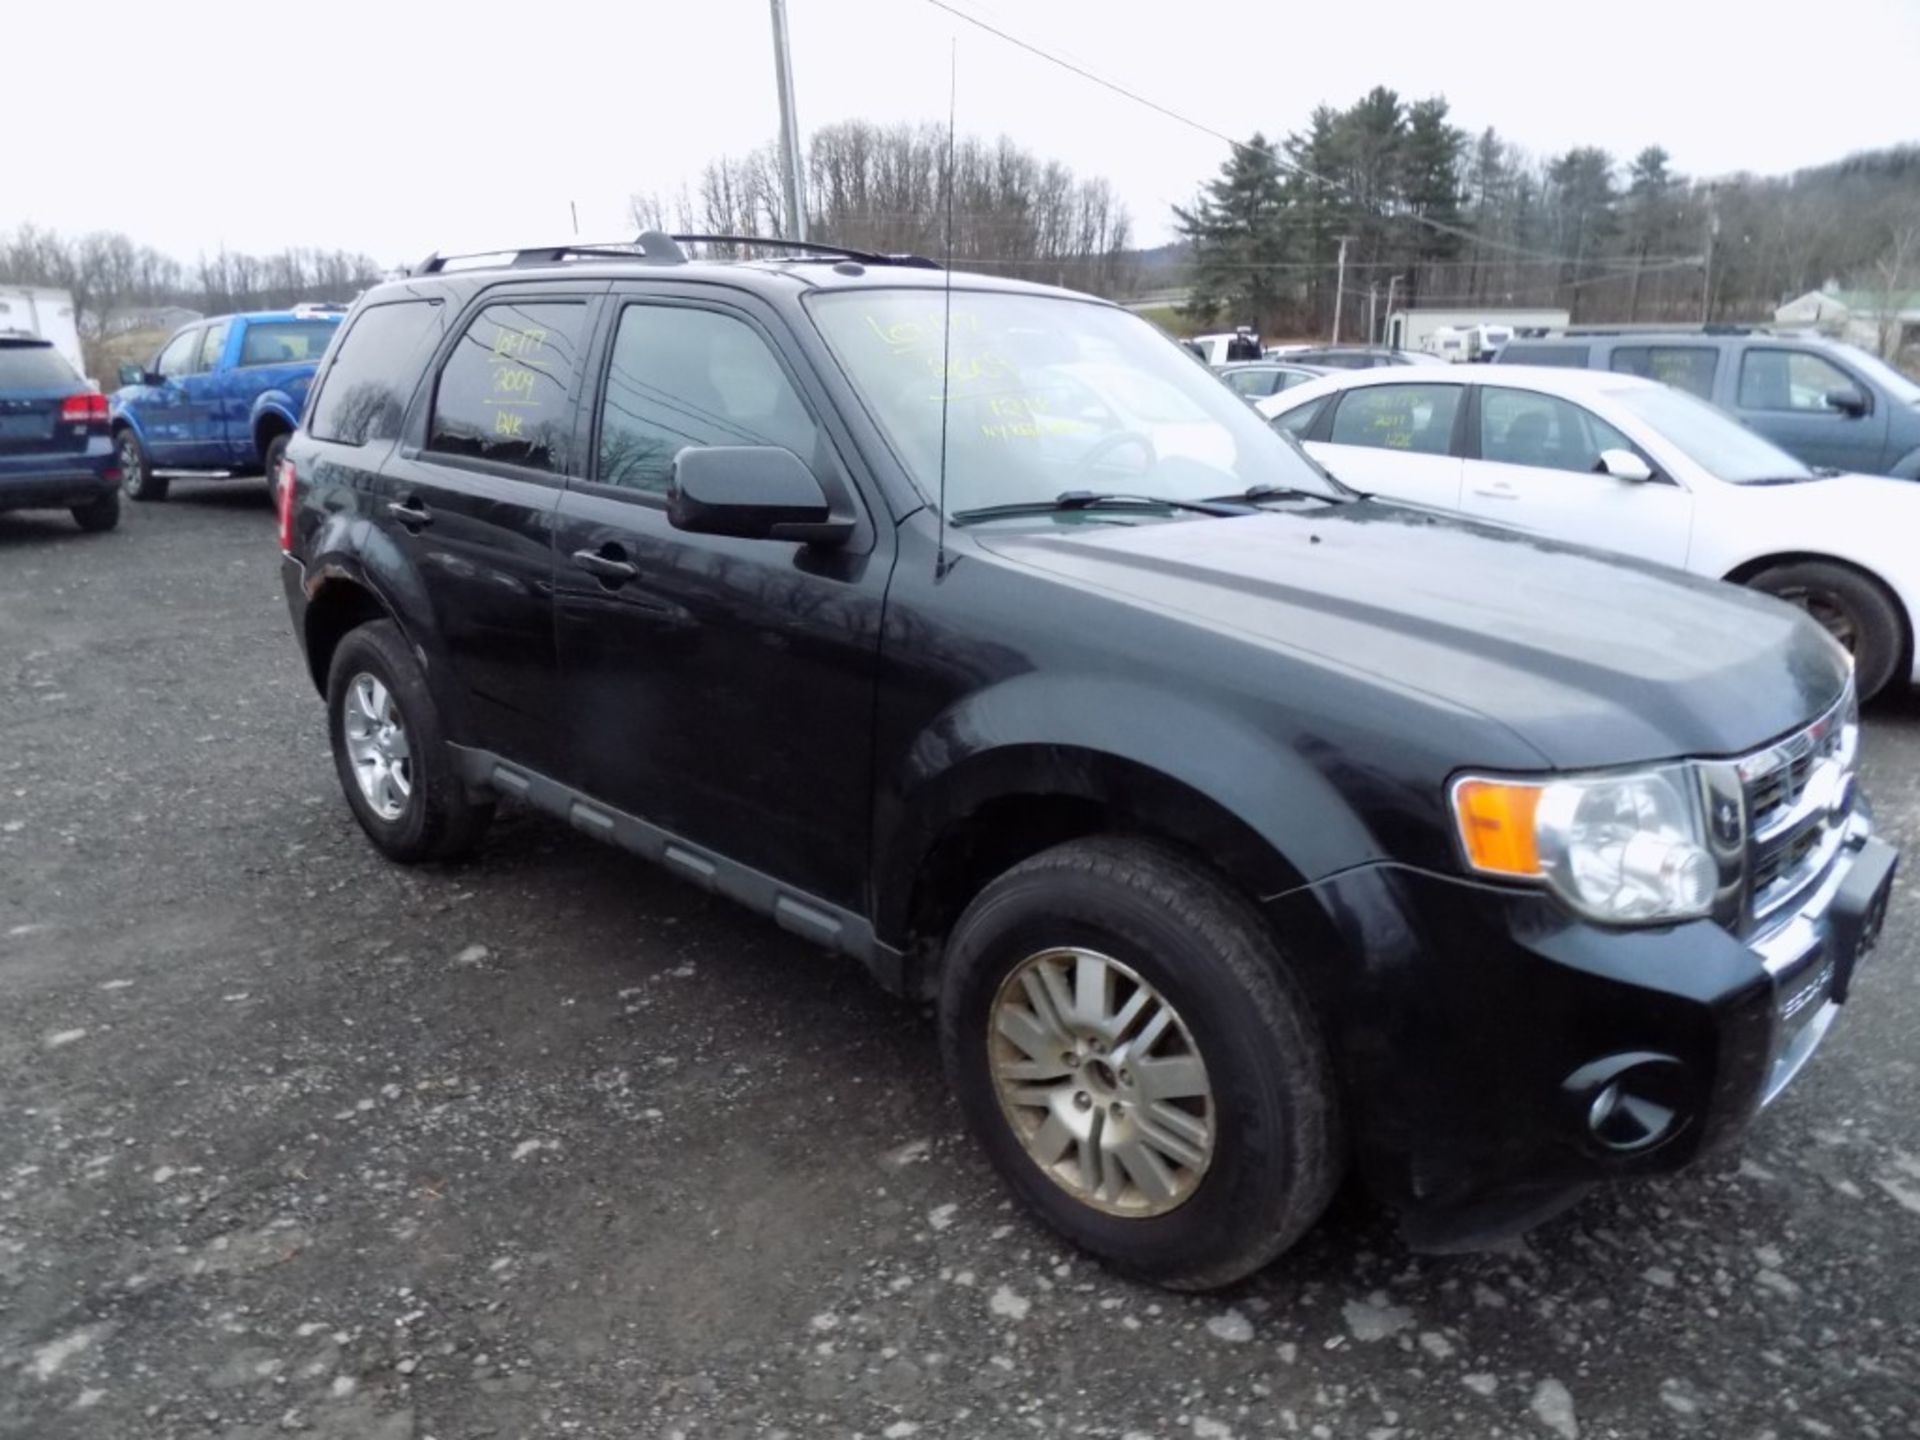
<point>275,452</point>
<point>1129,1045</point>
<point>98,515</point>
<point>1853,608</point>
<point>136,468</point>
<point>390,754</point>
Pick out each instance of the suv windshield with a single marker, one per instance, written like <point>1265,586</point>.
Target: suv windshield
<point>1903,390</point>
<point>1049,395</point>
<point>34,367</point>
<point>1712,439</point>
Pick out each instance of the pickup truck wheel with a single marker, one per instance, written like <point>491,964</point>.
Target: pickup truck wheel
<point>1129,1045</point>
<point>1854,609</point>
<point>98,515</point>
<point>136,471</point>
<point>388,750</point>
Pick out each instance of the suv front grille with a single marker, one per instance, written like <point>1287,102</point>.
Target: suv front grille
<point>1798,796</point>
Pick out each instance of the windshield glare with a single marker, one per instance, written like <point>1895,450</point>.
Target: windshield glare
<point>1048,395</point>
<point>1712,439</point>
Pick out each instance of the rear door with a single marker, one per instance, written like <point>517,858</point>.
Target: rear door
<point>720,689</point>
<point>1782,393</point>
<point>1533,463</point>
<point>469,498</point>
<point>204,441</point>
<point>1395,440</point>
<point>270,356</point>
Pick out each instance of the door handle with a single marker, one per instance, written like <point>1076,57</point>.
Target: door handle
<point>410,512</point>
<point>1497,490</point>
<point>608,564</point>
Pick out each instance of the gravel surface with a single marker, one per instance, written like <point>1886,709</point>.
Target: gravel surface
<point>298,1142</point>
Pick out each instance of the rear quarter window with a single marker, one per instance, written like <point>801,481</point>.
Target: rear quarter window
<point>1570,357</point>
<point>365,393</point>
<point>34,367</point>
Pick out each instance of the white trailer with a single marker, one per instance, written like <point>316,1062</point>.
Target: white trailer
<point>1467,334</point>
<point>46,313</point>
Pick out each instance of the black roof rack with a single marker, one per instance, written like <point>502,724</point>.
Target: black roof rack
<point>1718,327</point>
<point>654,247</point>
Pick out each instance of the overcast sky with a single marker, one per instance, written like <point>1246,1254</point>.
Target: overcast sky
<point>398,127</point>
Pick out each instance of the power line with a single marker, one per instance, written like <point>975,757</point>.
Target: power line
<point>1274,155</point>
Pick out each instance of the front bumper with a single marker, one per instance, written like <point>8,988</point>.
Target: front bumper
<point>1500,1056</point>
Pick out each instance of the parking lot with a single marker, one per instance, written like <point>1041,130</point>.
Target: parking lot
<point>295,1141</point>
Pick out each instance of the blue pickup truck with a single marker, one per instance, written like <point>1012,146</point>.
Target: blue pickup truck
<point>222,396</point>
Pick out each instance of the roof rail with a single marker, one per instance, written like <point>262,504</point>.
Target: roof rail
<point>1718,327</point>
<point>843,252</point>
<point>656,248</point>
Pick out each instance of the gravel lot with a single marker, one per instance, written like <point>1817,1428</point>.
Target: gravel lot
<point>551,1145</point>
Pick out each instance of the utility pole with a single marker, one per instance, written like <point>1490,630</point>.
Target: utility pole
<point>1393,284</point>
<point>1706,281</point>
<point>796,193</point>
<point>1339,288</point>
<point>1373,312</point>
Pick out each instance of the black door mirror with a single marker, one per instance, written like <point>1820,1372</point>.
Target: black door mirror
<point>1847,400</point>
<point>752,492</point>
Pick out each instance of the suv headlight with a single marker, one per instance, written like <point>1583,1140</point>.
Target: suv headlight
<point>1625,849</point>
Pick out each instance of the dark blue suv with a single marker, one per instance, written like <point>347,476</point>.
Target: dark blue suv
<point>222,396</point>
<point>54,449</point>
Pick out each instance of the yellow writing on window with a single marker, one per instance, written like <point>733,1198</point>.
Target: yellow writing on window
<point>507,424</point>
<point>518,344</point>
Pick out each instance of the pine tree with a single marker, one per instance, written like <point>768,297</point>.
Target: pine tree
<point>1240,238</point>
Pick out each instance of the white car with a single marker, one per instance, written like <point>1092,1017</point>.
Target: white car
<point>1620,463</point>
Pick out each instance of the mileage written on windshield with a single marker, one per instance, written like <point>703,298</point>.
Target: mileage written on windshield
<point>515,379</point>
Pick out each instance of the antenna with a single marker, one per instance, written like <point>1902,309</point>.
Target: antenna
<point>946,316</point>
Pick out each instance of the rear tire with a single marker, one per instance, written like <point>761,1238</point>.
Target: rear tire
<point>98,515</point>
<point>1257,1115</point>
<point>390,752</point>
<point>275,452</point>
<point>136,468</point>
<point>1855,609</point>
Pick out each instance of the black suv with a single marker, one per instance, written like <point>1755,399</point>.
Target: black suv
<point>1242,827</point>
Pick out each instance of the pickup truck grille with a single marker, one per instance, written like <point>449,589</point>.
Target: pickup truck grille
<point>1799,797</point>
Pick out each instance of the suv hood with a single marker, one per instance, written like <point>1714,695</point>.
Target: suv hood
<point>1590,659</point>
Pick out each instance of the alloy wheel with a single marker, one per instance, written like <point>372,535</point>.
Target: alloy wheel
<point>377,746</point>
<point>1827,610</point>
<point>1102,1082</point>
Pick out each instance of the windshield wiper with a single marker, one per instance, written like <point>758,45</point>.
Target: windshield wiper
<point>1101,499</point>
<point>1256,494</point>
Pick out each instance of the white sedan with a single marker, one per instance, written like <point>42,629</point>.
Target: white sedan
<point>1625,464</point>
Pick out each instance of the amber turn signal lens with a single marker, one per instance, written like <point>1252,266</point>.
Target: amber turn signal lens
<point>1496,826</point>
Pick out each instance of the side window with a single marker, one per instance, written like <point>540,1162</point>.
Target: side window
<point>1298,421</point>
<point>1789,380</point>
<point>1685,367</point>
<point>1520,427</point>
<point>1256,383</point>
<point>178,356</point>
<point>506,392</point>
<point>1415,418</point>
<point>1571,357</point>
<point>365,394</point>
<point>681,376</point>
<point>213,347</point>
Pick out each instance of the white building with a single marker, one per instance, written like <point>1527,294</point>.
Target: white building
<point>1881,321</point>
<point>47,313</point>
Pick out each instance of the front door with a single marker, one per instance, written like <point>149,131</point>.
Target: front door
<point>162,408</point>
<point>720,689</point>
<point>1783,394</point>
<point>1394,440</point>
<point>1533,463</point>
<point>472,497</point>
<point>204,441</point>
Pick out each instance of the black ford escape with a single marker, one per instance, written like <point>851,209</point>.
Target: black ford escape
<point>1244,828</point>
